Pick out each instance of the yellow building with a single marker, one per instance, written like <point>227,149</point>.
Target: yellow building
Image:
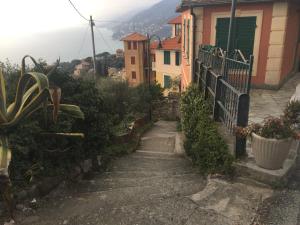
<point>166,59</point>
<point>135,53</point>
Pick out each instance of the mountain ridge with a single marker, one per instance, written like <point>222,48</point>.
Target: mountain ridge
<point>152,20</point>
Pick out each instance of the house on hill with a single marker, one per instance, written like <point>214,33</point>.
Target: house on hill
<point>166,59</point>
<point>135,53</point>
<point>267,29</point>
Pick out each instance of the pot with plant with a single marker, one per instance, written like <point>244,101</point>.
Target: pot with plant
<point>271,141</point>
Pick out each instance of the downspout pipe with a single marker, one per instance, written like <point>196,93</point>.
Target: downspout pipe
<point>194,26</point>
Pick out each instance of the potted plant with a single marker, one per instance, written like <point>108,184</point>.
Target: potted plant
<point>271,141</point>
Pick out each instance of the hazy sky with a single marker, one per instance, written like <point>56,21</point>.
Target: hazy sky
<point>52,28</point>
<point>26,17</point>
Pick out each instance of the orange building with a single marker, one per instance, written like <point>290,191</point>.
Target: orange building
<point>135,53</point>
<point>268,29</point>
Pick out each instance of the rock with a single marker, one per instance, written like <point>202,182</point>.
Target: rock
<point>75,173</point>
<point>28,211</point>
<point>11,222</point>
<point>296,96</point>
<point>65,222</point>
<point>20,207</point>
<point>87,165</point>
<point>21,195</point>
<point>33,204</point>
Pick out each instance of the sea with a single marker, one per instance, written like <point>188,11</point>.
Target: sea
<point>66,44</point>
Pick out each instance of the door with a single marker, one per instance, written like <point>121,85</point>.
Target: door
<point>243,37</point>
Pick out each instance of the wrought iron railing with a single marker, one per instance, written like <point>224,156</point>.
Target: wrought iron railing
<point>225,83</point>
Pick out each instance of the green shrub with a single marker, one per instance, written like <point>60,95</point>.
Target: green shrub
<point>204,144</point>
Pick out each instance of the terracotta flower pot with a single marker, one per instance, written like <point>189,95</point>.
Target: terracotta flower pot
<point>270,153</point>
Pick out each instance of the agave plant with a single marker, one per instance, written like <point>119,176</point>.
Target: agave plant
<point>33,93</point>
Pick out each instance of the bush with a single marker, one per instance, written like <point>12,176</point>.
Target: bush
<point>204,144</point>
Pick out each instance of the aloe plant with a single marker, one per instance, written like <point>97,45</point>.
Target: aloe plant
<point>33,93</point>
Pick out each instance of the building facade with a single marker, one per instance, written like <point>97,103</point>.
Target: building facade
<point>166,59</point>
<point>135,54</point>
<point>269,30</point>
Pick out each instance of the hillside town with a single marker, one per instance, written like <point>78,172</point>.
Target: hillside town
<point>198,128</point>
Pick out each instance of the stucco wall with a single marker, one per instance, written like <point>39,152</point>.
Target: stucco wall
<point>138,67</point>
<point>291,40</point>
<point>162,69</point>
<point>263,12</point>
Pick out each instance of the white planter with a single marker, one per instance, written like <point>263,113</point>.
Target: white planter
<point>270,153</point>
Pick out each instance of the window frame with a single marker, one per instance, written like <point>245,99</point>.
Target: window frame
<point>177,58</point>
<point>169,61</point>
<point>133,75</point>
<point>132,60</point>
<point>170,79</point>
<point>129,45</point>
<point>134,45</point>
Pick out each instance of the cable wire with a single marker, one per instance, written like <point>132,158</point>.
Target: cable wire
<point>105,42</point>
<point>78,11</point>
<point>83,41</point>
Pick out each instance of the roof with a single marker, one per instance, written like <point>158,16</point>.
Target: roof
<point>185,4</point>
<point>176,20</point>
<point>135,37</point>
<point>168,44</point>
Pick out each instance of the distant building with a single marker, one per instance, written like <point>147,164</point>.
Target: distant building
<point>120,53</point>
<point>82,68</point>
<point>135,53</point>
<point>176,26</point>
<point>166,59</point>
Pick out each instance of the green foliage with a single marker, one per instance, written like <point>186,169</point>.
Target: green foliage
<point>203,143</point>
<point>107,106</point>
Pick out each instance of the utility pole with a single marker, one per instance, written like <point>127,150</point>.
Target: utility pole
<point>232,25</point>
<point>93,42</point>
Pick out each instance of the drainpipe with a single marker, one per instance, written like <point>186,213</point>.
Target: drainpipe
<point>194,26</point>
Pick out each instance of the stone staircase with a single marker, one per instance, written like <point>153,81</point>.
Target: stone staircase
<point>153,186</point>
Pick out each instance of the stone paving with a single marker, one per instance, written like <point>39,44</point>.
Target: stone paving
<point>153,186</point>
<point>264,103</point>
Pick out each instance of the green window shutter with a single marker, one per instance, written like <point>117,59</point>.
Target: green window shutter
<point>167,81</point>
<point>178,58</point>
<point>188,39</point>
<point>184,34</point>
<point>222,32</point>
<point>244,34</point>
<point>167,57</point>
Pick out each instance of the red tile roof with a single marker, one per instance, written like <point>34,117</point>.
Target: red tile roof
<point>168,44</point>
<point>176,20</point>
<point>135,37</point>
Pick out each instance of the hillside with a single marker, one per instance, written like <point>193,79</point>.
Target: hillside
<point>153,20</point>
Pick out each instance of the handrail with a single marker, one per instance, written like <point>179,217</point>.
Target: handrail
<point>239,52</point>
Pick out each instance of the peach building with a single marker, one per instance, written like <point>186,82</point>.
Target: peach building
<point>268,29</point>
<point>135,53</point>
<point>166,59</point>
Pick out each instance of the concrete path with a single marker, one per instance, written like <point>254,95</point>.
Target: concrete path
<point>154,186</point>
<point>265,103</point>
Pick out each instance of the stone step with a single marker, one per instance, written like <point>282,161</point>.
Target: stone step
<point>150,164</point>
<point>160,144</point>
<point>101,183</point>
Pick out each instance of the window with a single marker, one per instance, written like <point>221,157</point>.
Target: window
<point>129,45</point>
<point>132,60</point>
<point>133,75</point>
<point>167,81</point>
<point>184,34</point>
<point>178,58</point>
<point>134,45</point>
<point>177,29</point>
<point>188,39</point>
<point>167,58</point>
